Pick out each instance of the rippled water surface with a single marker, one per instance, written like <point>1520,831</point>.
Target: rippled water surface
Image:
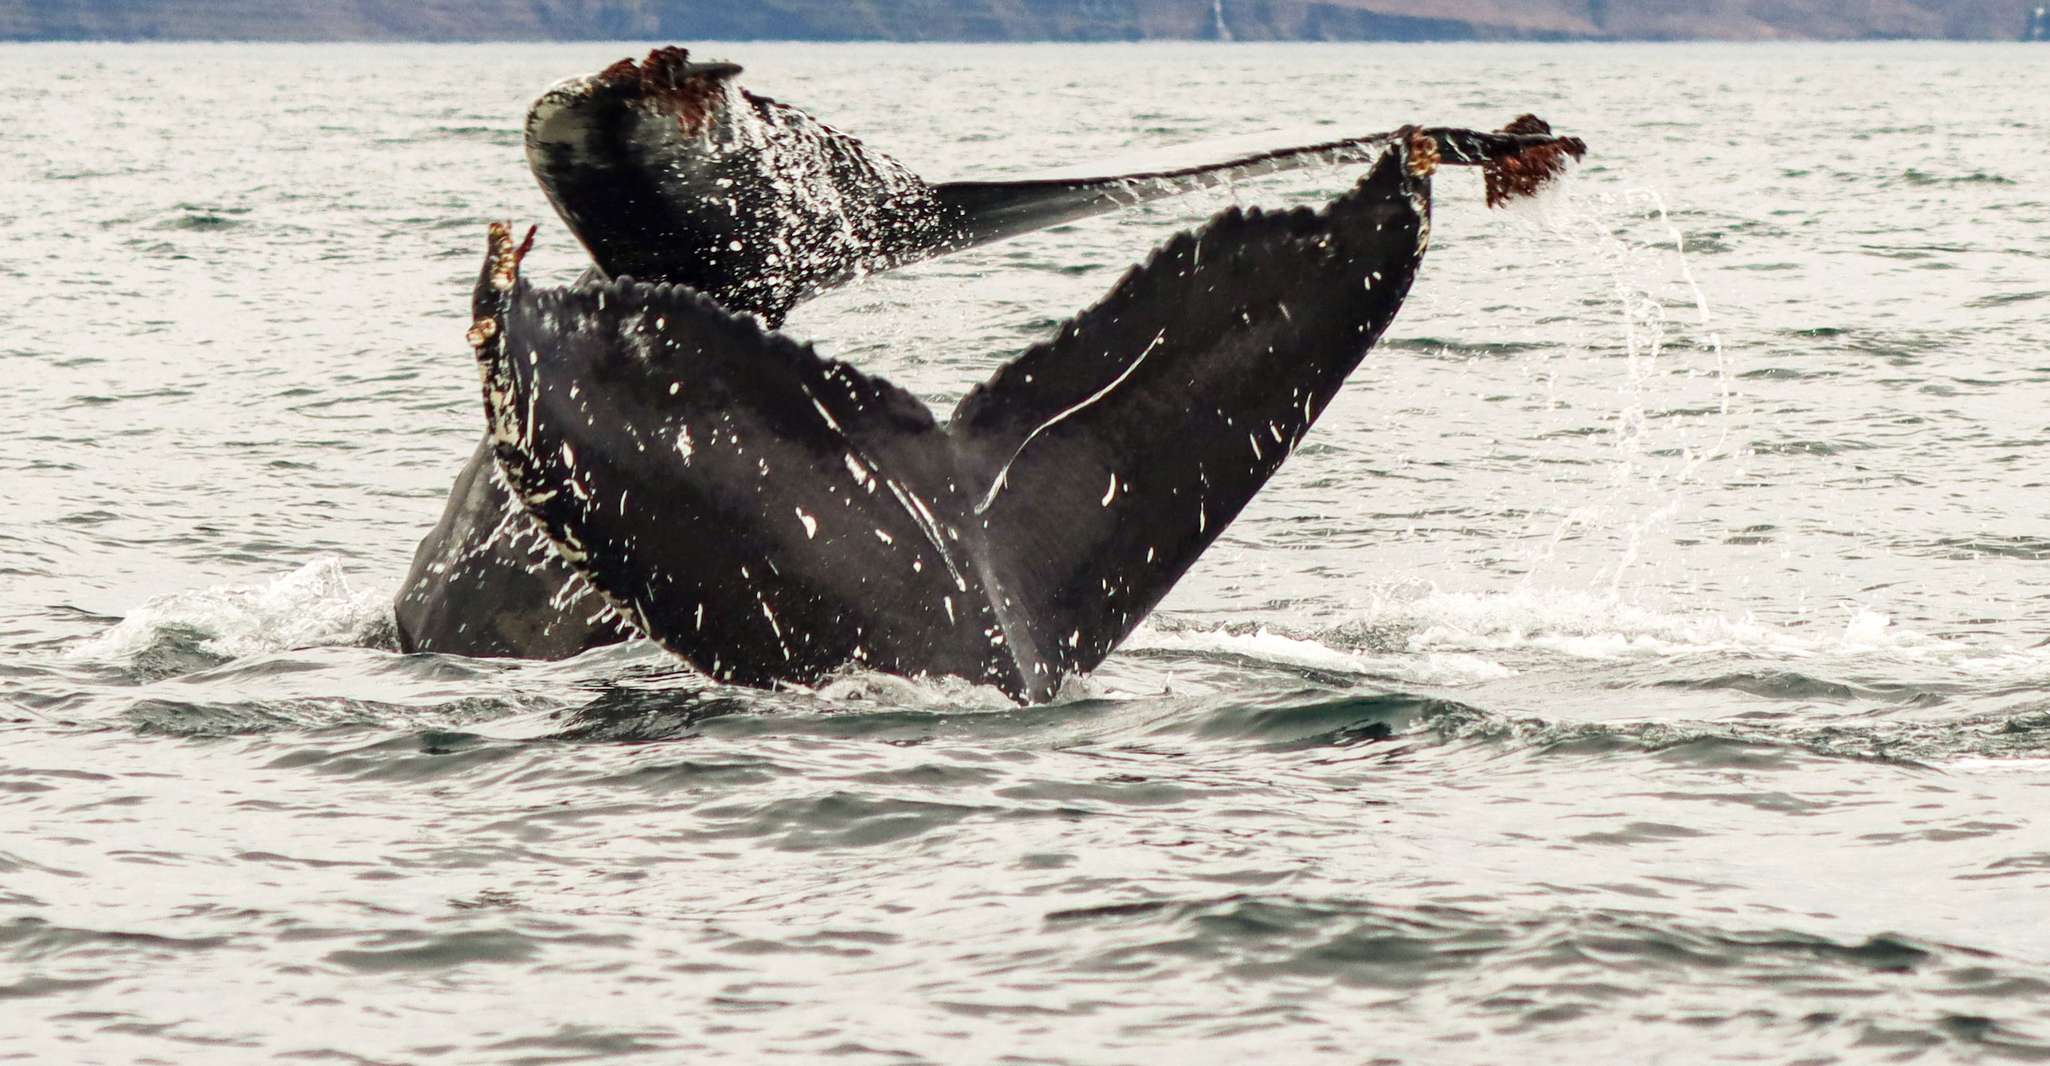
<point>1641,661</point>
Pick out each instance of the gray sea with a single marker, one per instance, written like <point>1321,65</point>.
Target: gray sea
<point>1642,661</point>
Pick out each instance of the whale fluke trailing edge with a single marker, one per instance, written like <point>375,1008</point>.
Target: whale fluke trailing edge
<point>772,516</point>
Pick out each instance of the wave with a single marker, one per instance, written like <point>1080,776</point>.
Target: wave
<point>1414,664</point>
<point>1551,968</point>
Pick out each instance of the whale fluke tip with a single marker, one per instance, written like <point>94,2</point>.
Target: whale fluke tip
<point>505,256</point>
<point>1423,157</point>
<point>1523,172</point>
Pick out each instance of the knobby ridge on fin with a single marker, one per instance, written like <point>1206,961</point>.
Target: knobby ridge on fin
<point>773,516</point>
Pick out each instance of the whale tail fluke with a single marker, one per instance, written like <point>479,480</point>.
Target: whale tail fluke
<point>772,516</point>
<point>1107,459</point>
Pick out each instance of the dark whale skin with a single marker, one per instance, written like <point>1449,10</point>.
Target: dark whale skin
<point>772,517</point>
<point>666,170</point>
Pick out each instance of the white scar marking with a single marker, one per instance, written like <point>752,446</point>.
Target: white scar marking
<point>929,527</point>
<point>1005,473</point>
<point>1111,491</point>
<point>884,537</point>
<point>911,504</point>
<point>811,525</point>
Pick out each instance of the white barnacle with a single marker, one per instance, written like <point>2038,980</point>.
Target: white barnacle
<point>684,447</point>
<point>675,387</point>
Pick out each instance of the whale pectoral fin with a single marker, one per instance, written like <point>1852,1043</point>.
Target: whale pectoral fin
<point>1105,461</point>
<point>761,512</point>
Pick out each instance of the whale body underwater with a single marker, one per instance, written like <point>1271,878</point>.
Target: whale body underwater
<point>770,516</point>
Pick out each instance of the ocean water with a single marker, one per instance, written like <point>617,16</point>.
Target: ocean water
<point>1643,660</point>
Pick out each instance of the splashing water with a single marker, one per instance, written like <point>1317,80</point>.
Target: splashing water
<point>314,606</point>
<point>1656,456</point>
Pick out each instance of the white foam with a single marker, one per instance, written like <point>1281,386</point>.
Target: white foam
<point>924,693</point>
<point>1576,624</point>
<point>1424,635</point>
<point>1319,653</point>
<point>311,607</point>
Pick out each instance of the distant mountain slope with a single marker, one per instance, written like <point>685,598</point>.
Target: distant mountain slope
<point>999,20</point>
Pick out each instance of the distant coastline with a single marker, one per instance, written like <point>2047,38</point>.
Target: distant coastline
<point>1011,20</point>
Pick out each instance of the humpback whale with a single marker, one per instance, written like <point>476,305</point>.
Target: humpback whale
<point>771,516</point>
<point>667,171</point>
